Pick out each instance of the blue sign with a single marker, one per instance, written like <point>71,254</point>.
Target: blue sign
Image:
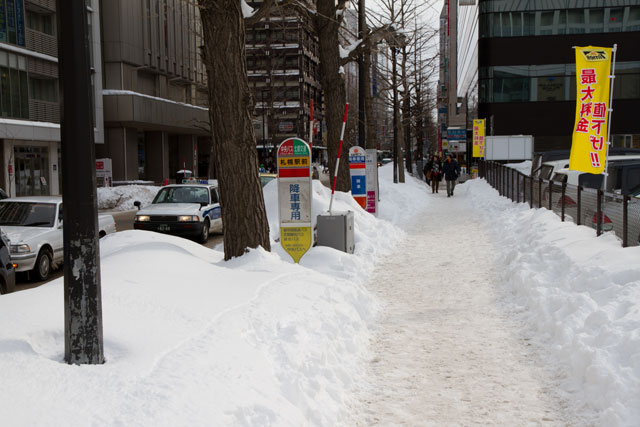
<point>456,134</point>
<point>358,185</point>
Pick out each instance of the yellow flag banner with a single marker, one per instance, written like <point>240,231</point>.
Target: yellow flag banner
<point>478,138</point>
<point>589,144</point>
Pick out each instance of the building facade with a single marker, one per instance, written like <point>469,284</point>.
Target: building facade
<point>526,66</point>
<point>29,95</point>
<point>282,66</point>
<point>155,100</point>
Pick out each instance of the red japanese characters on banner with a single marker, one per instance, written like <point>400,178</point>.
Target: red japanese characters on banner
<point>589,149</point>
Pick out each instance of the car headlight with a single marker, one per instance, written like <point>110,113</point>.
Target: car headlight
<point>142,218</point>
<point>20,249</point>
<point>188,218</point>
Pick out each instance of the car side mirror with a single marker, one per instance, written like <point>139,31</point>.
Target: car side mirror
<point>203,204</point>
<point>60,224</point>
<point>137,204</point>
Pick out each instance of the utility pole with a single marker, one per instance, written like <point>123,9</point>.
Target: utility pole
<point>361,73</point>
<point>82,296</point>
<point>395,114</point>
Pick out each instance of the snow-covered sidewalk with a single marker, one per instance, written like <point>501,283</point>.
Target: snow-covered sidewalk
<point>444,351</point>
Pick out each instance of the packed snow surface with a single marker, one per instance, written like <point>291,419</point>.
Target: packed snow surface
<point>121,198</point>
<point>192,340</point>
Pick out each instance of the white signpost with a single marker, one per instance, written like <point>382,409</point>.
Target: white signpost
<point>294,197</point>
<point>371,172</point>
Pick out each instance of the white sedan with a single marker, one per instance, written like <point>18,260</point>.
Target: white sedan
<point>34,228</point>
<point>191,210</point>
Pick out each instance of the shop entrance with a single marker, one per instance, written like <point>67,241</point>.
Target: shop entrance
<point>32,171</point>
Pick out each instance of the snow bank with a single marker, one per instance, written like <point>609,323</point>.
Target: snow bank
<point>522,167</point>
<point>578,297</point>
<point>192,340</point>
<point>121,198</point>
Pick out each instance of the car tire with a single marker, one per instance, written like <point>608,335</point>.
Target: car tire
<point>42,269</point>
<point>204,235</point>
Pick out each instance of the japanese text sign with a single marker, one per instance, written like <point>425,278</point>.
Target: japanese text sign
<point>357,169</point>
<point>294,197</point>
<point>372,181</point>
<point>478,138</point>
<point>589,144</point>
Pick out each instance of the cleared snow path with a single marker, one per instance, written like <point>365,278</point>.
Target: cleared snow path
<point>443,353</point>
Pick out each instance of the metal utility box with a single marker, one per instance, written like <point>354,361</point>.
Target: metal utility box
<point>336,231</point>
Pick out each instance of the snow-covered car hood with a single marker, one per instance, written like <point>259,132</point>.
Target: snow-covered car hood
<point>19,234</point>
<point>170,209</point>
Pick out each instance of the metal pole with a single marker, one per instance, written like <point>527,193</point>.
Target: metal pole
<point>564,192</point>
<point>531,192</point>
<point>82,295</point>
<point>361,72</point>
<point>625,220</point>
<point>599,212</point>
<point>612,77</point>
<point>335,173</point>
<point>579,208</point>
<point>550,195</point>
<point>539,192</point>
<point>395,116</point>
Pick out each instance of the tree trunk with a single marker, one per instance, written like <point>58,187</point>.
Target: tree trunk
<point>234,147</point>
<point>406,112</point>
<point>327,27</point>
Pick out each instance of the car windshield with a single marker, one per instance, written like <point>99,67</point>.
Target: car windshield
<point>182,195</point>
<point>27,214</point>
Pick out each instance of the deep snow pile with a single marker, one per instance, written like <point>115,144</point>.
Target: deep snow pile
<point>121,198</point>
<point>192,340</point>
<point>578,297</point>
<point>522,167</point>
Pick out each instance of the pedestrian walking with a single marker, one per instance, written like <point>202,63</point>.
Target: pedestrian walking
<point>427,170</point>
<point>436,174</point>
<point>451,170</point>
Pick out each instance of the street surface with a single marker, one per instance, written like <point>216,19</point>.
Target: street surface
<point>444,353</point>
<point>124,221</point>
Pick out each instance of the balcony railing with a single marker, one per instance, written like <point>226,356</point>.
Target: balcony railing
<point>44,111</point>
<point>41,42</point>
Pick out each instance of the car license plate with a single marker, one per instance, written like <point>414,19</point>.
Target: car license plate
<point>163,227</point>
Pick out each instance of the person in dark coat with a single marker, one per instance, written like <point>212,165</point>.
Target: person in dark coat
<point>436,174</point>
<point>451,170</point>
<point>427,170</point>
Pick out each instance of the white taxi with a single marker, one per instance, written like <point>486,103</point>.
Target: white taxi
<point>191,210</point>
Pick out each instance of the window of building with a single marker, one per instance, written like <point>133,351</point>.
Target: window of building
<point>500,23</point>
<point>40,22</point>
<point>12,22</point>
<point>555,82</point>
<point>14,93</point>
<point>43,89</point>
<point>632,19</point>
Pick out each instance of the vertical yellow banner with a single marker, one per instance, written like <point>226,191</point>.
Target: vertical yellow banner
<point>589,144</point>
<point>478,138</point>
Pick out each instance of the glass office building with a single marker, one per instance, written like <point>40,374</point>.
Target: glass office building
<point>526,66</point>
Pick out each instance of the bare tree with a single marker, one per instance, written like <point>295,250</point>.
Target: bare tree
<point>230,103</point>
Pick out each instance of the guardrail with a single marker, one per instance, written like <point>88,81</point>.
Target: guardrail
<point>605,212</point>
